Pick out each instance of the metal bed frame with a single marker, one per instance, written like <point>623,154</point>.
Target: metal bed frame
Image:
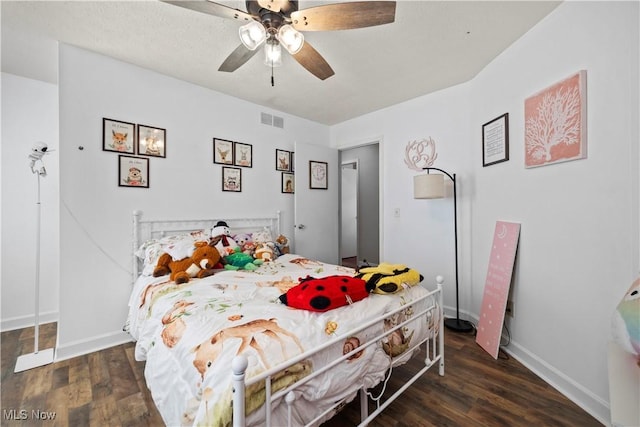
<point>432,313</point>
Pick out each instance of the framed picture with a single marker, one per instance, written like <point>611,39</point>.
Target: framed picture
<point>288,182</point>
<point>118,136</point>
<point>242,154</point>
<point>555,123</point>
<point>231,179</point>
<point>222,151</point>
<point>318,175</point>
<point>283,160</point>
<point>292,162</point>
<point>495,140</point>
<point>133,171</point>
<point>152,141</point>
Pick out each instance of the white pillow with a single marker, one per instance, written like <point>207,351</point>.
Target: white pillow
<point>178,246</point>
<point>262,236</point>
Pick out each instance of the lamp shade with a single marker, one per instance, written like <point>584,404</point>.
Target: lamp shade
<point>429,186</point>
<point>272,53</point>
<point>252,35</point>
<point>291,39</point>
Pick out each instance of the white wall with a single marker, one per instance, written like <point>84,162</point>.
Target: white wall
<point>29,114</point>
<point>577,240</point>
<point>578,251</point>
<point>95,214</point>
<point>422,235</point>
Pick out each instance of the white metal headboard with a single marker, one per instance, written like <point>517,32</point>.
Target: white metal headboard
<point>146,229</point>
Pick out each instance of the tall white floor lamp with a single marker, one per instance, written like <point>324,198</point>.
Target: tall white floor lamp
<point>38,357</point>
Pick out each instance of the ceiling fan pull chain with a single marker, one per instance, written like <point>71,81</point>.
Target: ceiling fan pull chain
<point>272,81</point>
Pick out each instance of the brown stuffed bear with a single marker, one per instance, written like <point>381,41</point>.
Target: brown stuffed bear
<point>200,264</point>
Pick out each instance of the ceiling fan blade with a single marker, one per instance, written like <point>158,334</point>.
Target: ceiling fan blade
<point>310,59</point>
<point>344,16</point>
<point>212,8</point>
<point>237,58</point>
<point>273,5</point>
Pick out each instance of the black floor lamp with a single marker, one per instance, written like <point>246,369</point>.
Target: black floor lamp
<point>431,186</point>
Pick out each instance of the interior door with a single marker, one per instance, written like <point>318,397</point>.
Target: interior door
<point>316,223</point>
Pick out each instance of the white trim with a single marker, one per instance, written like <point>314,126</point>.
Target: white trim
<point>28,321</point>
<point>578,394</point>
<point>82,347</point>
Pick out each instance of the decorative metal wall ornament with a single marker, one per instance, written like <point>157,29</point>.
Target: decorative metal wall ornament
<point>420,154</point>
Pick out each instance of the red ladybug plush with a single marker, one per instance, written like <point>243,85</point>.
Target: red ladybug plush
<point>326,293</point>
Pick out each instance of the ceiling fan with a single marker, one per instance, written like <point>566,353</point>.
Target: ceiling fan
<point>277,23</point>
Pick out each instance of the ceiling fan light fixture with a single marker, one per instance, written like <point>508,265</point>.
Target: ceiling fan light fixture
<point>290,38</point>
<point>272,53</point>
<point>252,35</point>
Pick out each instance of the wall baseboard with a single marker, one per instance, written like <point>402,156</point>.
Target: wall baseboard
<point>27,321</point>
<point>595,406</point>
<point>82,347</point>
<point>589,402</point>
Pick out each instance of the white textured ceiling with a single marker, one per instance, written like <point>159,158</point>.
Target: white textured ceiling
<point>430,46</point>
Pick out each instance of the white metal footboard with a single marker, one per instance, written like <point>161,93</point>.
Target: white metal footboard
<point>432,314</point>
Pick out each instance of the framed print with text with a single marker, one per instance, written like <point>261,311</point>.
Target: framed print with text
<point>283,160</point>
<point>231,179</point>
<point>133,172</point>
<point>151,141</point>
<point>318,175</point>
<point>288,182</point>
<point>242,154</point>
<point>118,136</point>
<point>495,140</point>
<point>222,151</point>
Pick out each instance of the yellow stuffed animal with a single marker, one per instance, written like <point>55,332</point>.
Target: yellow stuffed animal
<point>388,278</point>
<point>200,264</point>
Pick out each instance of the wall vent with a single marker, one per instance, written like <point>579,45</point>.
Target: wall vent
<point>270,120</point>
<point>266,119</point>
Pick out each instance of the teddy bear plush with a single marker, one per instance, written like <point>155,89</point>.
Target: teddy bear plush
<point>201,263</point>
<point>389,278</point>
<point>282,244</point>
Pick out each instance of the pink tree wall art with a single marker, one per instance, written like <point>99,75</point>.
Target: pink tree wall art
<point>555,122</point>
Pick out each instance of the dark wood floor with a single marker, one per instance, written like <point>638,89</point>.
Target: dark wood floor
<point>107,388</point>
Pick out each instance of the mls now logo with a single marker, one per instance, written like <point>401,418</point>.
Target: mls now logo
<point>15,414</point>
<point>23,414</point>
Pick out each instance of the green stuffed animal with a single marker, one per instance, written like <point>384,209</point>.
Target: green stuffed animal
<point>389,278</point>
<point>238,260</point>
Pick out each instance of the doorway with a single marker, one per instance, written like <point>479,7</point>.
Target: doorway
<point>360,205</point>
<point>349,214</point>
